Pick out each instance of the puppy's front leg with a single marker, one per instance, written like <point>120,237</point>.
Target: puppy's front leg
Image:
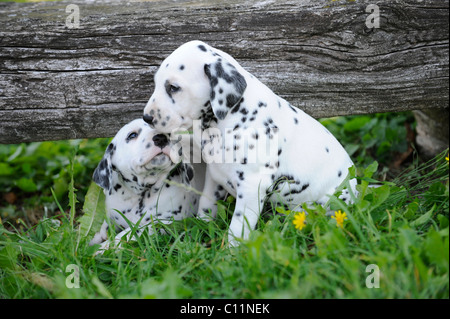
<point>249,204</point>
<point>212,192</point>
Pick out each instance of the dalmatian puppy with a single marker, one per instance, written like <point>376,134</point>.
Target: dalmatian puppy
<point>143,178</point>
<point>202,88</point>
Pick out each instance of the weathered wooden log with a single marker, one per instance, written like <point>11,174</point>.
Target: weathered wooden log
<point>432,131</point>
<point>325,57</point>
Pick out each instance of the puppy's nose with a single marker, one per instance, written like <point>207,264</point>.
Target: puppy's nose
<point>160,140</point>
<point>148,119</point>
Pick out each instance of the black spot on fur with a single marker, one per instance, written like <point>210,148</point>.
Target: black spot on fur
<point>235,106</point>
<point>232,100</point>
<point>233,77</point>
<point>292,108</point>
<point>111,148</point>
<point>169,90</point>
<point>221,114</point>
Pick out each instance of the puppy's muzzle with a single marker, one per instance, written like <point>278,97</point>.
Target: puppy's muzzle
<point>148,119</point>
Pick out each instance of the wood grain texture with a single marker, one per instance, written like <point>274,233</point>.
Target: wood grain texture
<point>61,83</point>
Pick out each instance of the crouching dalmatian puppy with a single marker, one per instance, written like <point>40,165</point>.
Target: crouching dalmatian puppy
<point>136,174</point>
<point>203,88</point>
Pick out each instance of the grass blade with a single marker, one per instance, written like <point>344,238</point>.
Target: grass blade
<point>72,193</point>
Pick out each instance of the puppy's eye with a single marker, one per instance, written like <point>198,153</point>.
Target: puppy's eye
<point>171,88</point>
<point>174,88</point>
<point>131,136</point>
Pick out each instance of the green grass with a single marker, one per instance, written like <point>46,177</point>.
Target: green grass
<point>402,227</point>
<point>32,175</point>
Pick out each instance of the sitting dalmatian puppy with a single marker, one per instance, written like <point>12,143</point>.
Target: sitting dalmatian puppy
<point>203,88</point>
<point>136,174</point>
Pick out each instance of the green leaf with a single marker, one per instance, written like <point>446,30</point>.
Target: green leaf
<point>413,207</point>
<point>424,218</point>
<point>60,186</point>
<point>380,194</point>
<point>368,173</point>
<point>371,169</point>
<point>436,248</point>
<point>283,211</point>
<point>8,257</point>
<point>356,123</point>
<point>27,185</point>
<point>443,221</point>
<point>6,170</point>
<point>94,211</point>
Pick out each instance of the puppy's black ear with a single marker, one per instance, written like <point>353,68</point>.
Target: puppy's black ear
<point>103,173</point>
<point>227,86</point>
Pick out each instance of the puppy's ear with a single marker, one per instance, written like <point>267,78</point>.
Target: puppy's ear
<point>227,86</point>
<point>188,173</point>
<point>103,173</point>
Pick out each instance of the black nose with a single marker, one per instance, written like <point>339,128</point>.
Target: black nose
<point>148,119</point>
<point>160,140</point>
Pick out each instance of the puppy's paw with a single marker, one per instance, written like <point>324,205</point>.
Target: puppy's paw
<point>98,238</point>
<point>205,214</point>
<point>106,245</point>
<point>233,241</point>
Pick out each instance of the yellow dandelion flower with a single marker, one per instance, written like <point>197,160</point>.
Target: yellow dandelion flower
<point>300,220</point>
<point>340,217</point>
<point>446,158</point>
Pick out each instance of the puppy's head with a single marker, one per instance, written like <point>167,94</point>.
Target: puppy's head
<point>192,79</point>
<point>139,157</point>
